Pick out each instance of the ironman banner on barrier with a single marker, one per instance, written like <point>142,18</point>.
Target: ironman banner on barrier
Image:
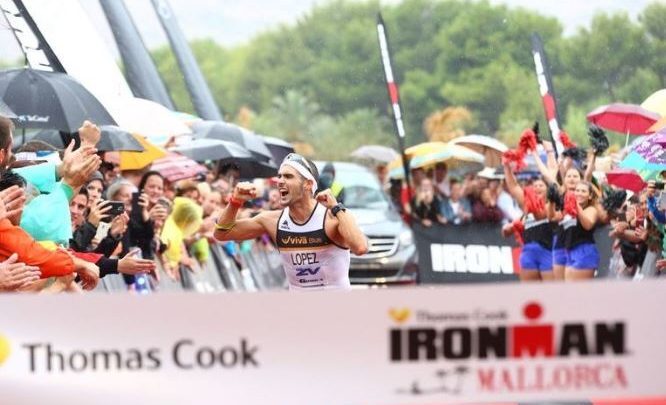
<point>588,341</point>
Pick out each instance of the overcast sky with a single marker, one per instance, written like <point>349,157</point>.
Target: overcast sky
<point>233,22</point>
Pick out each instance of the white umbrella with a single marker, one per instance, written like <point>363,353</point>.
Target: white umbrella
<point>377,153</point>
<point>147,118</point>
<point>489,147</point>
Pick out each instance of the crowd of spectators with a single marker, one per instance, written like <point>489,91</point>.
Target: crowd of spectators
<point>70,218</point>
<point>636,229</point>
<point>478,197</point>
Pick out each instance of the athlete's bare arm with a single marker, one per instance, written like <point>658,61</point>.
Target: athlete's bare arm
<point>343,228</point>
<point>228,228</point>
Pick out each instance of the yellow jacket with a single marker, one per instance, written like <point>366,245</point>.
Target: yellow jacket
<point>183,222</point>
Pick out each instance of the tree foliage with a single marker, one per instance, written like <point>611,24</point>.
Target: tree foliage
<point>320,80</point>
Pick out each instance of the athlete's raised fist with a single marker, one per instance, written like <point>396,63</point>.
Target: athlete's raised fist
<point>326,198</point>
<point>245,191</point>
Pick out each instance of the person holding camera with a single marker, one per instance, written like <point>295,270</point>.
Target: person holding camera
<point>149,210</point>
<point>84,232</point>
<point>627,228</point>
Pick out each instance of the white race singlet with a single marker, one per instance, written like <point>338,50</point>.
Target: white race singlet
<point>311,260</point>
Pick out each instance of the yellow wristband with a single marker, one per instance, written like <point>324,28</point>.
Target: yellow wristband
<point>225,227</point>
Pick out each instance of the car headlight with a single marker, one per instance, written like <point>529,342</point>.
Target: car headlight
<point>406,238</point>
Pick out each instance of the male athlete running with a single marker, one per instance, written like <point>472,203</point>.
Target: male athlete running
<point>314,234</point>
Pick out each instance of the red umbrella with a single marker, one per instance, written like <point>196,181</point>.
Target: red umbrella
<point>176,167</point>
<point>626,179</point>
<point>624,118</point>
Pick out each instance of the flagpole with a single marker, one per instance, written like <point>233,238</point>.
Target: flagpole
<point>393,94</point>
<point>547,92</point>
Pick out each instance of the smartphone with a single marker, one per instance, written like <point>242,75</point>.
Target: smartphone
<point>102,230</point>
<point>659,185</point>
<point>117,208</point>
<point>163,201</point>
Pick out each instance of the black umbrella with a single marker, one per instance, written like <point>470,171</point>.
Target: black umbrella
<point>112,139</point>
<point>233,133</point>
<point>5,111</point>
<point>51,100</point>
<point>249,168</point>
<point>212,149</point>
<point>279,147</point>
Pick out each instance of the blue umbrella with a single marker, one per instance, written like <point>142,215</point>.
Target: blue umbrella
<point>647,170</point>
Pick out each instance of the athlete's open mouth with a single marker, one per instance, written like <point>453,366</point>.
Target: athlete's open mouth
<point>283,192</point>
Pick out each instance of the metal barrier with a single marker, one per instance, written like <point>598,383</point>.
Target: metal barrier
<point>261,270</point>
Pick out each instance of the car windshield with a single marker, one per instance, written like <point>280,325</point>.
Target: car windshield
<point>361,189</point>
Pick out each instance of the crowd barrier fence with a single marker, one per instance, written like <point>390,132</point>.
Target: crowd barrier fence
<point>260,269</point>
<point>468,253</point>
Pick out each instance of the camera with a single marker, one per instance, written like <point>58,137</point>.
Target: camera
<point>659,185</point>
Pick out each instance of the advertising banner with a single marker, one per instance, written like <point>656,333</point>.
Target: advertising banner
<point>466,344</point>
<point>478,253</point>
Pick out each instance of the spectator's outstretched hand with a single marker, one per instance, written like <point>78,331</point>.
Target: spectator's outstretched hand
<point>89,133</point>
<point>14,276</point>
<point>132,265</point>
<point>88,272</point>
<point>77,166</point>
<point>12,200</point>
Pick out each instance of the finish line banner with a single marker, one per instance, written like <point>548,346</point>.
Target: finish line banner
<point>503,343</point>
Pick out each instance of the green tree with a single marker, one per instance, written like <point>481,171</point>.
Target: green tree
<point>652,19</point>
<point>291,117</point>
<point>608,53</point>
<point>356,128</point>
<point>310,80</point>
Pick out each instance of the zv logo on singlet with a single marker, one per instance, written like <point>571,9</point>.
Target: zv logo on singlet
<point>305,272</point>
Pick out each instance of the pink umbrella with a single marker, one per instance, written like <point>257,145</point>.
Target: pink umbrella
<point>624,118</point>
<point>626,179</point>
<point>176,167</point>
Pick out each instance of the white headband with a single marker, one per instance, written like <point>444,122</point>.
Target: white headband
<point>303,172</point>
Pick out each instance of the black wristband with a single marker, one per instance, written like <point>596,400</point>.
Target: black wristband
<point>337,208</point>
